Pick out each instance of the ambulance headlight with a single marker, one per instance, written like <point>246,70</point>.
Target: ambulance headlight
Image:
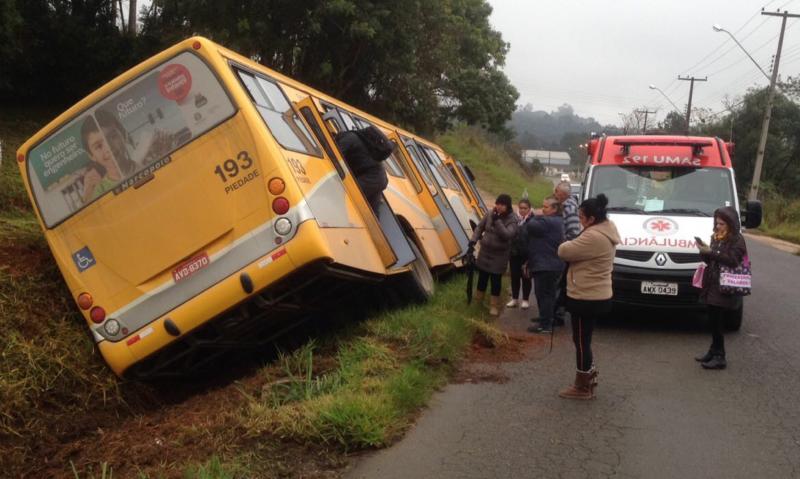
<point>112,327</point>
<point>283,226</point>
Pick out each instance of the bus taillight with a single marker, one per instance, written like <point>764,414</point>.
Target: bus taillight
<point>276,186</point>
<point>85,301</point>
<point>97,314</point>
<point>280,205</point>
<point>196,45</point>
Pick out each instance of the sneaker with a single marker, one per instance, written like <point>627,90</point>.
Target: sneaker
<point>525,305</point>
<point>539,330</point>
<point>513,303</point>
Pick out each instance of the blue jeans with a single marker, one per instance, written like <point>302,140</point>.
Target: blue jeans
<point>544,287</point>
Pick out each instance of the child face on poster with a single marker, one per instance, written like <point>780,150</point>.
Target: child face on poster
<point>100,152</point>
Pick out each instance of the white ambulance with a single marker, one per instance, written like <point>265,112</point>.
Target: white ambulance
<point>662,193</point>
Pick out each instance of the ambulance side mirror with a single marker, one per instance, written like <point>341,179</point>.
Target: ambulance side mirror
<point>752,215</point>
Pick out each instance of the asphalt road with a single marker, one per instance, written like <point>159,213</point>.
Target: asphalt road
<point>657,414</point>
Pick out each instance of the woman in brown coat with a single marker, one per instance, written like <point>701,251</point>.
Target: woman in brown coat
<point>495,232</point>
<point>727,248</point>
<point>591,261</point>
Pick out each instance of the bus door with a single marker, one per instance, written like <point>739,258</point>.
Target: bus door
<point>441,200</point>
<point>469,179</point>
<point>428,200</point>
<point>386,232</point>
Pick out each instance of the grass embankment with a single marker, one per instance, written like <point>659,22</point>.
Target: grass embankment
<point>496,169</point>
<point>782,219</point>
<point>62,413</point>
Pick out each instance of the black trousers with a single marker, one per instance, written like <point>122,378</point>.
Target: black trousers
<point>544,286</point>
<point>561,295</point>
<point>584,318</point>
<point>483,280</point>
<point>716,319</point>
<point>517,278</point>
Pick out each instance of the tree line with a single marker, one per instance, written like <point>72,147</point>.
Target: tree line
<point>423,65</point>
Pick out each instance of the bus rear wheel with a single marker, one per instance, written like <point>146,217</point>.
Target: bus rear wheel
<point>418,283</point>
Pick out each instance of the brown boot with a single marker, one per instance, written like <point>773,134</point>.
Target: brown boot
<point>582,389</point>
<point>494,303</point>
<point>593,378</point>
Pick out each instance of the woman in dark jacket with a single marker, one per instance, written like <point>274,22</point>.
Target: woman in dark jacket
<point>519,254</point>
<point>727,248</point>
<point>495,232</point>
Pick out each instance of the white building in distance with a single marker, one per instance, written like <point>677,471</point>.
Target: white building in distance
<point>554,162</point>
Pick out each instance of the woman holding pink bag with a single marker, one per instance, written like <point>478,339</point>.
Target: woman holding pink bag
<point>727,249</point>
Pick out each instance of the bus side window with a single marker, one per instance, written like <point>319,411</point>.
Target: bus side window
<point>392,167</point>
<point>348,120</point>
<point>279,116</point>
<point>315,127</point>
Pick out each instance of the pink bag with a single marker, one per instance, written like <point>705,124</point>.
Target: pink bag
<point>697,279</point>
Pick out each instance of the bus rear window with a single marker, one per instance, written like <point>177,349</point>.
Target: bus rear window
<point>125,137</point>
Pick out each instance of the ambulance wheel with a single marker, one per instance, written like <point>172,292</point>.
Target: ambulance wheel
<point>734,321</point>
<point>418,283</point>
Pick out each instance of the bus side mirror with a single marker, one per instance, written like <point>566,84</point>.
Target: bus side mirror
<point>469,173</point>
<point>752,215</point>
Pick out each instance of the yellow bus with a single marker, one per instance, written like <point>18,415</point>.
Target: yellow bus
<point>198,203</point>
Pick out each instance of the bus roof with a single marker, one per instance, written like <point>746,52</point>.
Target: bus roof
<point>660,150</point>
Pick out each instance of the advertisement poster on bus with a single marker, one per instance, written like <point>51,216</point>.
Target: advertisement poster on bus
<point>126,137</point>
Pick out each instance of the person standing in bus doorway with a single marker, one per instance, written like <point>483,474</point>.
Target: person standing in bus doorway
<point>591,260</point>
<point>727,248</point>
<point>519,255</point>
<point>369,174</point>
<point>572,228</point>
<point>96,180</point>
<point>495,232</point>
<point>545,233</point>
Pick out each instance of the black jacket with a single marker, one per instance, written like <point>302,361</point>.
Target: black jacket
<point>355,153</point>
<point>369,174</point>
<point>729,252</point>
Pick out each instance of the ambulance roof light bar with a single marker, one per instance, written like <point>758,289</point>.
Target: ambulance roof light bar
<point>697,145</point>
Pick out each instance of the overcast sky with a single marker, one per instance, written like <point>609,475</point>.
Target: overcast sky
<point>600,56</point>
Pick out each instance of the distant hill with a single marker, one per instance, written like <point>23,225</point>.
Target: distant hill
<point>561,129</point>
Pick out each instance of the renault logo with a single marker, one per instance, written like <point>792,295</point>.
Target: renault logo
<point>661,259</point>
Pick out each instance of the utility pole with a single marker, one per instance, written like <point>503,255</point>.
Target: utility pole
<point>646,112</point>
<point>691,91</point>
<point>762,143</point>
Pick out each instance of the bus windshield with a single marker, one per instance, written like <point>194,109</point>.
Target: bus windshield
<point>660,190</point>
<point>126,136</point>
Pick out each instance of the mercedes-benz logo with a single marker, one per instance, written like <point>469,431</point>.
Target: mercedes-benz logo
<point>661,259</point>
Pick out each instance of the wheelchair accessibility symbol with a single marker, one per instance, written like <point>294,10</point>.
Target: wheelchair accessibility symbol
<point>83,259</point>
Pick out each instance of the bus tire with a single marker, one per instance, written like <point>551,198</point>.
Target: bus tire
<point>734,321</point>
<point>418,283</point>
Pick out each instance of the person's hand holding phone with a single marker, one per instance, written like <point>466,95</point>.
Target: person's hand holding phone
<point>701,245</point>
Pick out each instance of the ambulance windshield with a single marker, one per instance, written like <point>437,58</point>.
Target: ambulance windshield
<point>663,190</point>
